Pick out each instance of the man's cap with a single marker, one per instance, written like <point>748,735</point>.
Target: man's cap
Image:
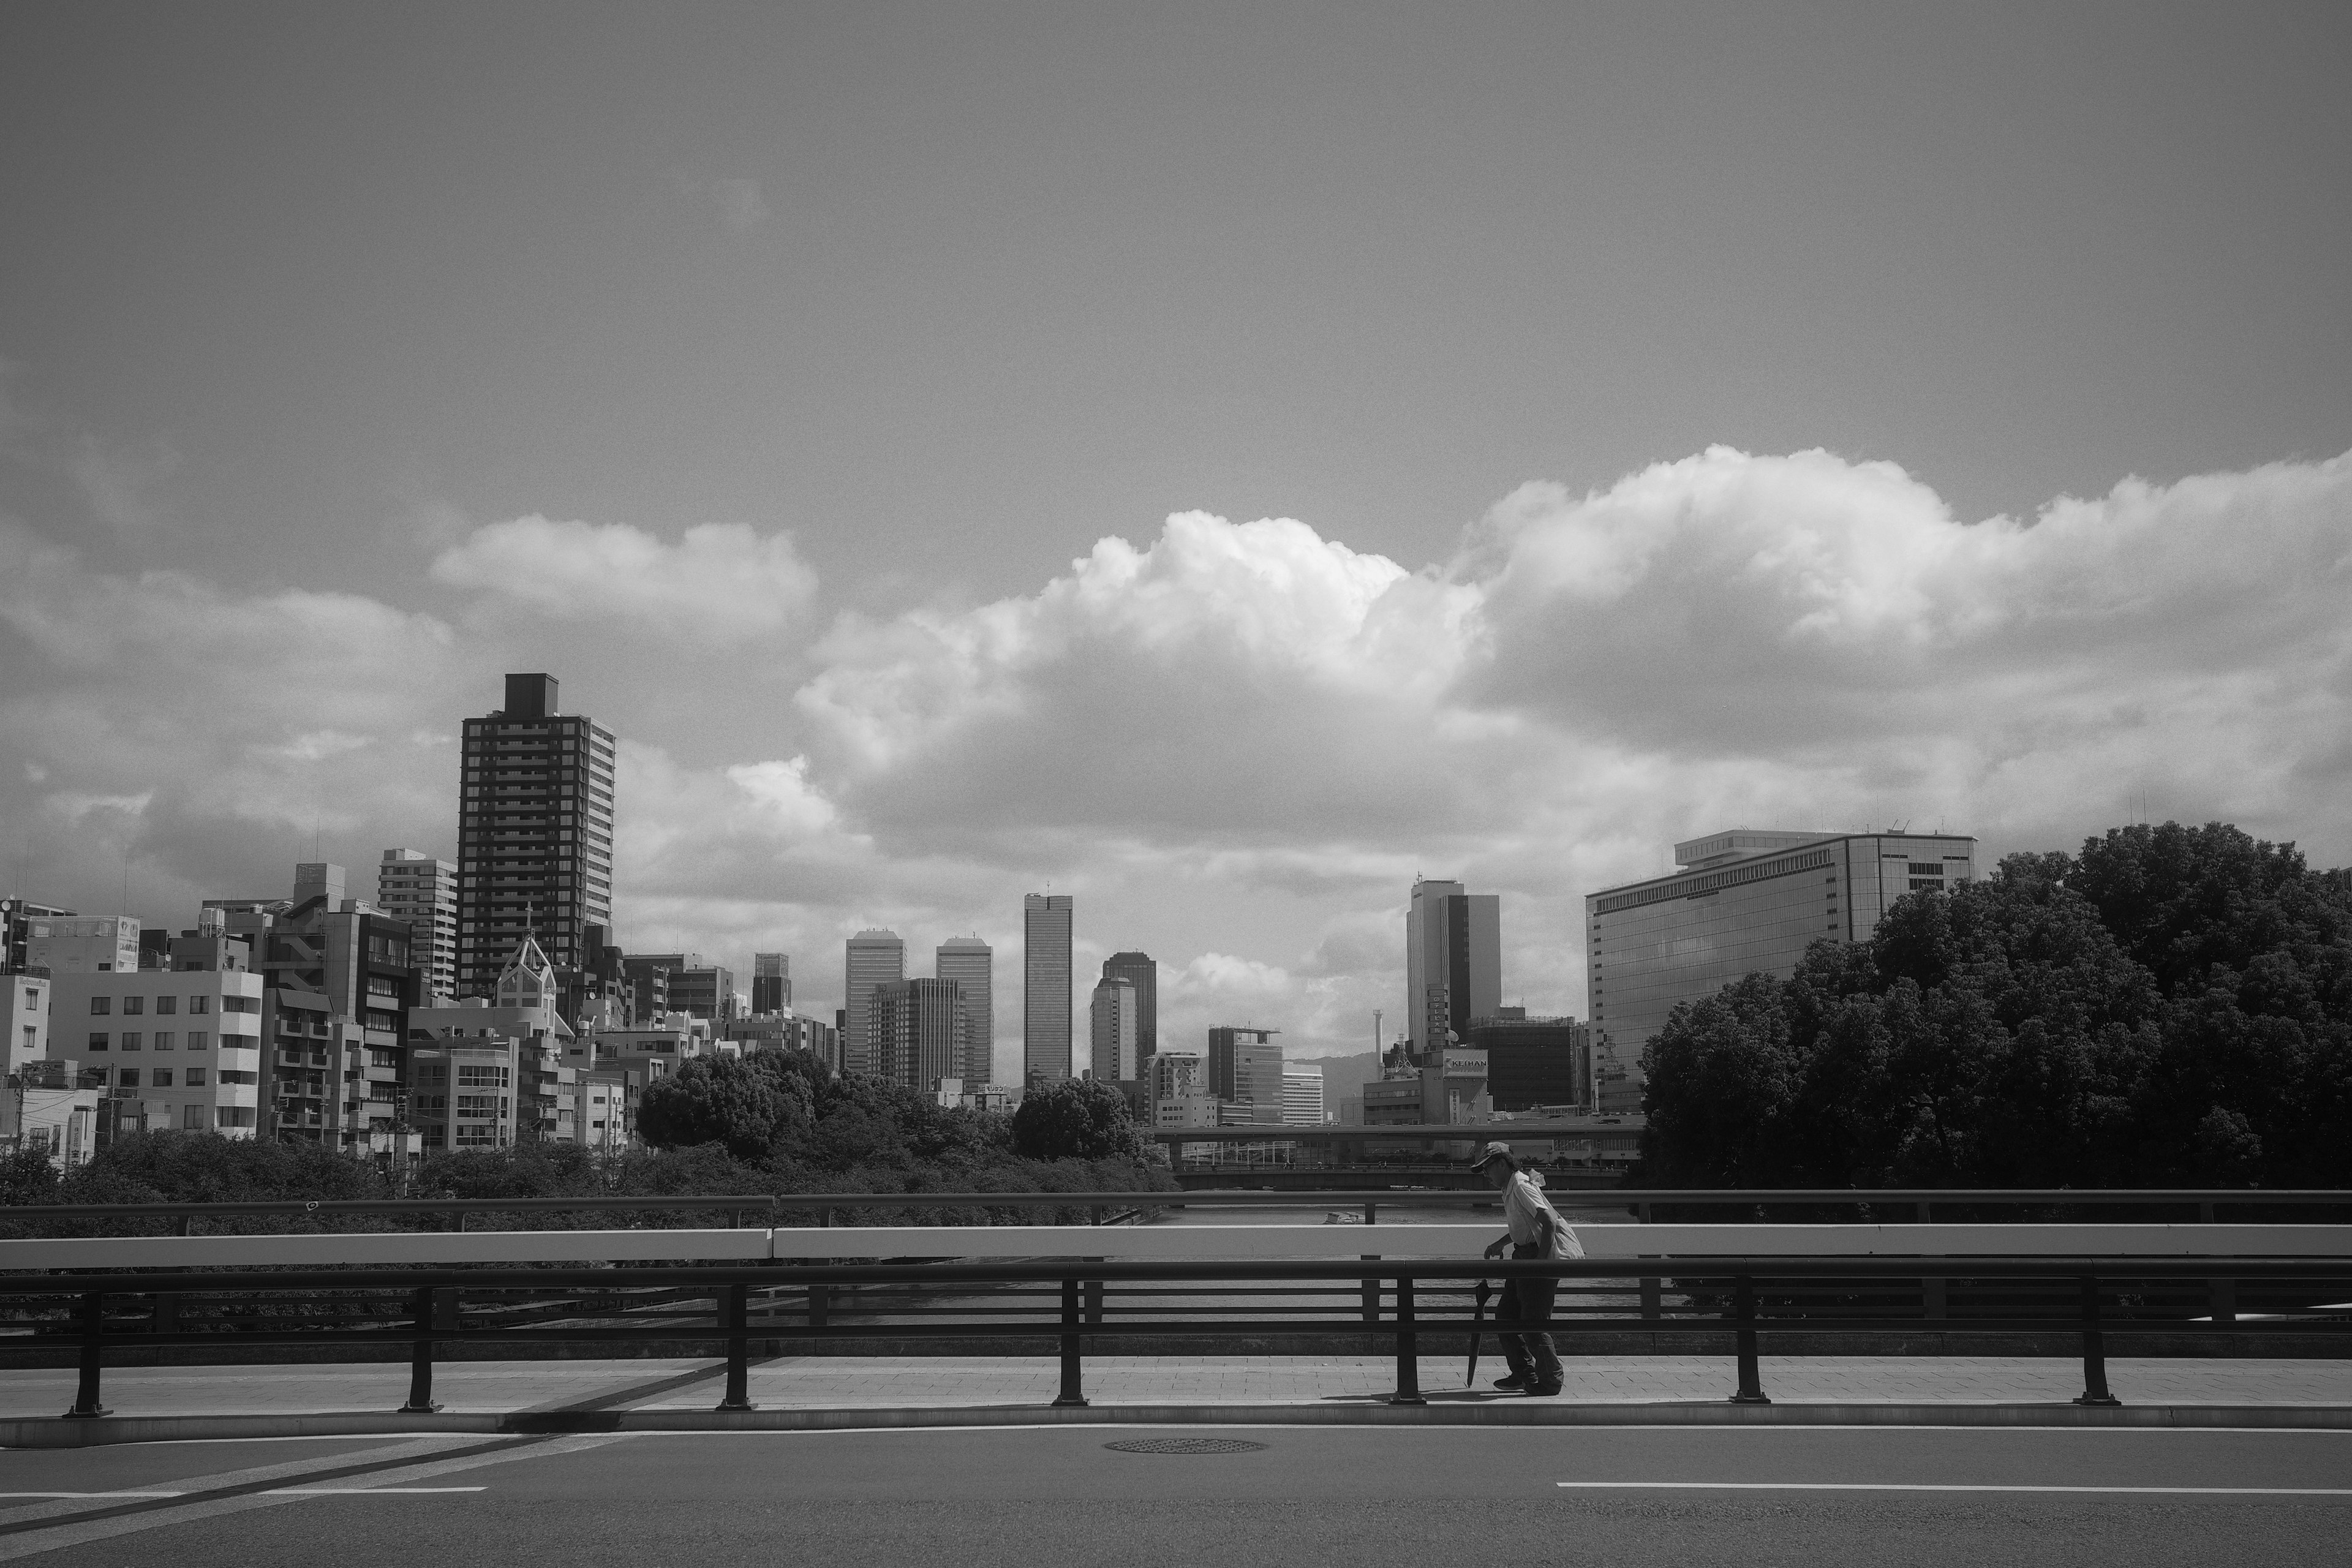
<point>1492,1151</point>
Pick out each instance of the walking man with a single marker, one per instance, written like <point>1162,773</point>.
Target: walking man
<point>1537,1231</point>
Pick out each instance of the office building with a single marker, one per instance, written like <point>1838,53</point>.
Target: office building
<point>1178,1084</point>
<point>81,944</point>
<point>51,1110</point>
<point>413,886</point>
<point>788,1031</point>
<point>771,983</point>
<point>646,984</point>
<point>534,834</point>
<point>1453,960</point>
<point>1534,1062</point>
<point>490,1072</point>
<point>338,983</point>
<point>1047,1002</point>
<point>24,1013</point>
<point>1142,971</point>
<point>1745,901</point>
<point>175,1050</point>
<point>971,965</point>
<point>1302,1096</point>
<point>694,985</point>
<point>919,1029</point>
<point>1246,1069</point>
<point>17,916</point>
<point>1111,1031</point>
<point>874,957</point>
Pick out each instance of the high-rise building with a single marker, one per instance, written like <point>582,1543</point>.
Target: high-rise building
<point>1047,1002</point>
<point>971,965</point>
<point>534,834</point>
<point>1302,1096</point>
<point>919,1031</point>
<point>874,957</point>
<point>1746,901</point>
<point>1111,1030</point>
<point>413,886</point>
<point>1142,971</point>
<point>1246,1069</point>
<point>771,983</point>
<point>1453,962</point>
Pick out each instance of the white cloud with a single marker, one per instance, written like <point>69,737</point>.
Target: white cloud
<point>737,202</point>
<point>119,485</point>
<point>1235,743</point>
<point>720,581</point>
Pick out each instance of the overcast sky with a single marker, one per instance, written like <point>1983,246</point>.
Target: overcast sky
<point>1221,462</point>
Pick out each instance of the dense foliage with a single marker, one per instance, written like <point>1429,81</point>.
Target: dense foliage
<point>774,1122</point>
<point>2171,1006</point>
<point>1076,1118</point>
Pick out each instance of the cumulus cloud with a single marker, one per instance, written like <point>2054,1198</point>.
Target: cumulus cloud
<point>1236,743</point>
<point>719,581</point>
<point>121,485</point>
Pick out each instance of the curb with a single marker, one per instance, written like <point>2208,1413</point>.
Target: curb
<point>92,1432</point>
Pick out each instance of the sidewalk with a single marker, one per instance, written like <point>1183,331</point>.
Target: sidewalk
<point>821,1391</point>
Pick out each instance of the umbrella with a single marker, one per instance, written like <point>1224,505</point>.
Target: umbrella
<point>1476,1318</point>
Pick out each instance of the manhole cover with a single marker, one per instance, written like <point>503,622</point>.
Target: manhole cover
<point>1185,1446</point>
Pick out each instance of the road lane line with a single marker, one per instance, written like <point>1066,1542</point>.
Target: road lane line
<point>1948,1486</point>
<point>90,1494</point>
<point>367,1491</point>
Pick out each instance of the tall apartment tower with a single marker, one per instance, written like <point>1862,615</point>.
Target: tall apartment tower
<point>875,957</point>
<point>1453,962</point>
<point>971,965</point>
<point>1142,971</point>
<point>1047,999</point>
<point>534,834</point>
<point>413,886</point>
<point>1112,1033</point>
<point>771,983</point>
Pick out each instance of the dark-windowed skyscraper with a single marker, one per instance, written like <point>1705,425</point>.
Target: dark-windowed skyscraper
<point>534,834</point>
<point>1045,992</point>
<point>1140,971</point>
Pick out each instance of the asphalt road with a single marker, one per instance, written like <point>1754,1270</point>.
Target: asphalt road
<point>1043,1498</point>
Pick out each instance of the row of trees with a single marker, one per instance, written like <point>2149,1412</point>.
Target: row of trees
<point>774,1122</point>
<point>2170,1007</point>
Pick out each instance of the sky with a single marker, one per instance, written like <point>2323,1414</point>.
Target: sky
<point>1219,462</point>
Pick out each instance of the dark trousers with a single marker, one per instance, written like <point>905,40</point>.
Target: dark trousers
<point>1530,1355</point>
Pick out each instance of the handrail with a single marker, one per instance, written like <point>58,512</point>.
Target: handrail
<point>2204,1198</point>
<point>431,1307</point>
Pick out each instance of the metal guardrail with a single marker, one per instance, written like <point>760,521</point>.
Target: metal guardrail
<point>2205,1203</point>
<point>1070,1301</point>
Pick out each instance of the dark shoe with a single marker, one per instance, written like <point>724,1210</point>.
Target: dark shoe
<point>1516,1379</point>
<point>1546,1390</point>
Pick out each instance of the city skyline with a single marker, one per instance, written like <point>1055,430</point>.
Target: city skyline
<point>1492,449</point>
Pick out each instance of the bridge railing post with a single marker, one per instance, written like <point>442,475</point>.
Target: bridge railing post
<point>2095,1349</point>
<point>1408,1388</point>
<point>1751,1382</point>
<point>735,1314</point>
<point>420,1354</point>
<point>93,1350</point>
<point>1073,1396</point>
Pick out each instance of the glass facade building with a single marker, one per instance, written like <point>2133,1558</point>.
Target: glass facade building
<point>1745,901</point>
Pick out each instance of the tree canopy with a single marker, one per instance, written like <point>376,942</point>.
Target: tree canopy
<point>2173,1005</point>
<point>1076,1118</point>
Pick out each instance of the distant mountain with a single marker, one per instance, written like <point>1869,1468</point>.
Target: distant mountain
<point>1344,1076</point>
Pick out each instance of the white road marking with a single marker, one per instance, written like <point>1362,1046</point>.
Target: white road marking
<point>91,1494</point>
<point>363,1491</point>
<point>1948,1486</point>
<point>359,1491</point>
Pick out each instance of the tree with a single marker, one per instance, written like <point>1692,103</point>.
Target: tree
<point>729,1101</point>
<point>1076,1118</point>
